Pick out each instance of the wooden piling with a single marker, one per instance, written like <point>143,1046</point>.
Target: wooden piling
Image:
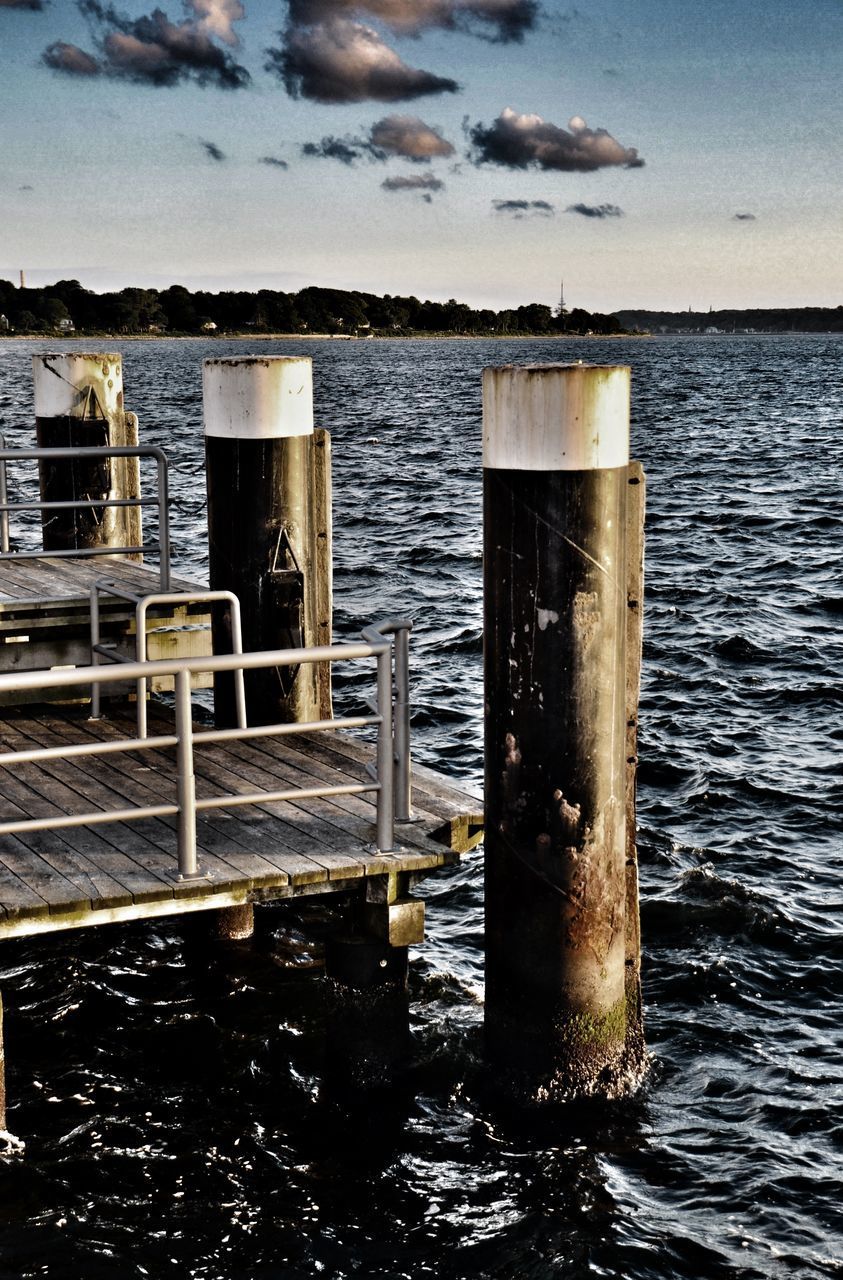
<point>269,527</point>
<point>79,403</point>
<point>232,924</point>
<point>368,1027</point>
<point>556,453</point>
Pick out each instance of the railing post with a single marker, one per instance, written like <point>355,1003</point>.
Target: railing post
<point>4,498</point>
<point>163,522</point>
<point>96,692</point>
<point>385,755</point>
<point>185,782</point>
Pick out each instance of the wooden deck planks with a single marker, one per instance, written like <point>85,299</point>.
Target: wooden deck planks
<point>121,788</point>
<point>70,578</point>
<point>273,849</point>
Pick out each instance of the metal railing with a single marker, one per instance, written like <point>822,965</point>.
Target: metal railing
<point>159,546</point>
<point>185,739</point>
<point>400,629</point>
<point>142,605</point>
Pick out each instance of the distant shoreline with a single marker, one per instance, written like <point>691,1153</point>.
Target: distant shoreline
<point>320,337</point>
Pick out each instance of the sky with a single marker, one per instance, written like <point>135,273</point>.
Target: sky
<point>658,154</point>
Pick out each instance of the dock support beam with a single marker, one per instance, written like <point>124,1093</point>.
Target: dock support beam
<point>369,1014</point>
<point>232,924</point>
<point>79,403</point>
<point>269,528</point>
<point>556,454</point>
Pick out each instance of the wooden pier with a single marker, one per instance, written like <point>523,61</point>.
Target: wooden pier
<point>128,871</point>
<point>77,877</point>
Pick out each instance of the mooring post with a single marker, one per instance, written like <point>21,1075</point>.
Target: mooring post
<point>269,528</point>
<point>556,454</point>
<point>79,404</point>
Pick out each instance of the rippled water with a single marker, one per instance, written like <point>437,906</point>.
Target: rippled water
<point>171,1103</point>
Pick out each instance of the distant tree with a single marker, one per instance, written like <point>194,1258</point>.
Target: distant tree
<point>179,308</point>
<point>534,318</point>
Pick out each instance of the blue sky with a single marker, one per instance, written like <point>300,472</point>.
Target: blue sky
<point>478,149</point>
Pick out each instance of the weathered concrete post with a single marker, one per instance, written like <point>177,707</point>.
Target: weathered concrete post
<point>79,403</point>
<point>269,527</point>
<point>556,453</point>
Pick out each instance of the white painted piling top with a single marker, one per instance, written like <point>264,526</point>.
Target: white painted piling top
<point>65,380</point>
<point>258,397</point>
<point>556,417</point>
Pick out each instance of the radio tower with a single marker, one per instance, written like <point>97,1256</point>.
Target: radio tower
<point>562,303</point>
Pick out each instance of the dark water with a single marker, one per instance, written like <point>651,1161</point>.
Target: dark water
<point>171,1104</point>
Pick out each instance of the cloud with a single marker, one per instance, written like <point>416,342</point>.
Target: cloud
<point>519,142</point>
<point>424,183</point>
<point>405,136</point>
<point>744,217</point>
<point>410,137</point>
<point>523,208</point>
<point>213,150</point>
<point>274,161</point>
<point>346,150</point>
<point>71,59</point>
<point>596,210</point>
<point>508,19</point>
<point>22,4</point>
<point>153,50</point>
<point>343,61</point>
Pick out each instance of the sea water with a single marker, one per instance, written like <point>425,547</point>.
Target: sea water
<point>171,1102</point>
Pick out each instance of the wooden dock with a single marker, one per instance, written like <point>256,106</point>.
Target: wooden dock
<point>89,875</point>
<point>83,876</point>
<point>45,613</point>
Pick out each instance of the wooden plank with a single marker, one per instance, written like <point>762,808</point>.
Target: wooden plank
<point>48,794</point>
<point>454,818</point>
<point>222,852</point>
<point>18,899</point>
<point>156,770</point>
<point>431,791</point>
<point>242,830</point>
<point>266,762</point>
<point>342,843</point>
<point>71,578</point>
<point>60,893</point>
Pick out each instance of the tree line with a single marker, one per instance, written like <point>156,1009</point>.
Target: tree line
<point>757,320</point>
<point>67,307</point>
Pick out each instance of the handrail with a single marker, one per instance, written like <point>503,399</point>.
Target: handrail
<point>400,628</point>
<point>162,501</point>
<point>186,806</point>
